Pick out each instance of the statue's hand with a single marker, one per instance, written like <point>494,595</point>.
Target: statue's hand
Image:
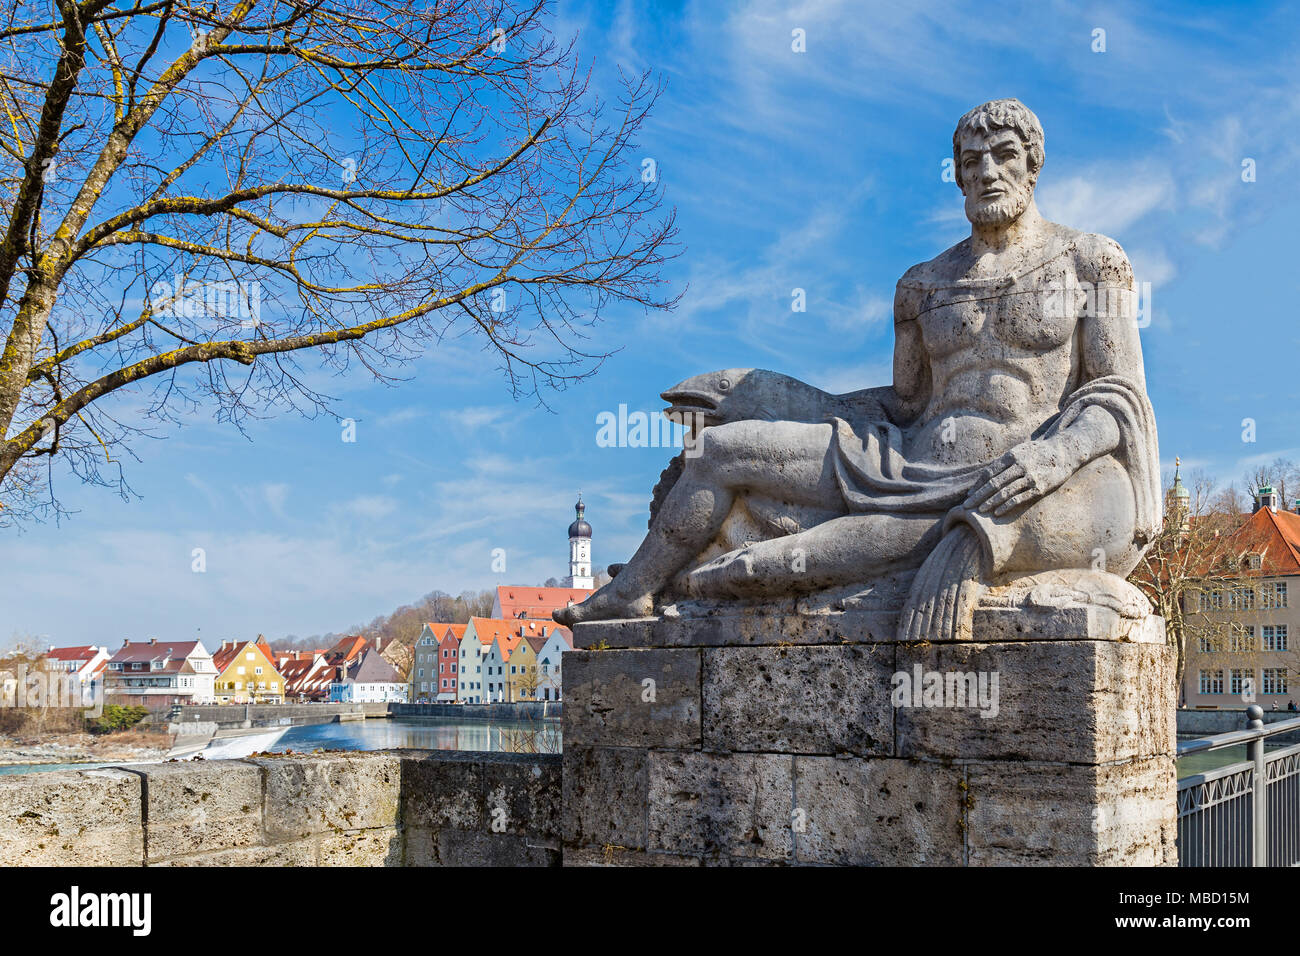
<point>1028,472</point>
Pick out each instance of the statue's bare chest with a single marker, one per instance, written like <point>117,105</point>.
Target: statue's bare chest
<point>1034,312</point>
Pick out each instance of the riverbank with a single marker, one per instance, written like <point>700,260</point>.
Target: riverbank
<point>84,748</point>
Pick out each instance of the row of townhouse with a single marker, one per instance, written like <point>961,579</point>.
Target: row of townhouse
<point>514,655</point>
<point>489,661</point>
<point>158,673</point>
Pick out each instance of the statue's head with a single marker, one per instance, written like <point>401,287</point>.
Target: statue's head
<point>997,151</point>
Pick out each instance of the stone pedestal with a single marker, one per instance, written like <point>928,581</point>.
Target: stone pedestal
<point>819,739</point>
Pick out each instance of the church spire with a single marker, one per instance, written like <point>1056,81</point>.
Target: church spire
<point>580,548</point>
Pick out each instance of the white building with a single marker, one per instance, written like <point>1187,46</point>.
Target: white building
<point>87,662</point>
<point>153,674</point>
<point>368,680</point>
<point>549,657</point>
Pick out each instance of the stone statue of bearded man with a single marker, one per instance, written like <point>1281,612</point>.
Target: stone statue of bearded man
<point>1016,438</point>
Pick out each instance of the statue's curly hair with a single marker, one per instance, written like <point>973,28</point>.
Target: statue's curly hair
<point>1001,114</point>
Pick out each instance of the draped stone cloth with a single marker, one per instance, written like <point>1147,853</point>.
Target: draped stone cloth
<point>875,477</point>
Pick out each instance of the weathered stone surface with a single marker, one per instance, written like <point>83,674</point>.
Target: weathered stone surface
<point>808,700</point>
<point>741,630</point>
<point>1112,815</point>
<point>877,812</point>
<point>382,847</point>
<point>329,793</point>
<point>605,794</point>
<point>607,701</point>
<point>202,805</point>
<point>720,805</point>
<point>617,856</point>
<point>1072,701</point>
<point>1083,622</point>
<point>71,818</point>
<point>513,793</point>
<point>297,853</point>
<point>451,846</point>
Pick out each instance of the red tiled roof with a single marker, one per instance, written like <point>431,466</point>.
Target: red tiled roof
<point>1273,535</point>
<point>347,650</point>
<point>150,651</point>
<point>488,629</point>
<point>537,603</point>
<point>82,652</point>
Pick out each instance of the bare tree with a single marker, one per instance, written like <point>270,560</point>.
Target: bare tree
<point>208,201</point>
<point>1191,562</point>
<point>1228,501</point>
<point>1280,474</point>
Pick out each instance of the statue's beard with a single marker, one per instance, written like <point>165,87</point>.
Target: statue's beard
<point>1001,211</point>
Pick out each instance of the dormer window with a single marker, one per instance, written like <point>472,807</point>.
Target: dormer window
<point>1254,561</point>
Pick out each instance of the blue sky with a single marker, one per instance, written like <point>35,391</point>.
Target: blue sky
<point>818,170</point>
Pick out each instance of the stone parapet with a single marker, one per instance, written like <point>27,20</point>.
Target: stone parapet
<point>385,808</point>
<point>781,738</point>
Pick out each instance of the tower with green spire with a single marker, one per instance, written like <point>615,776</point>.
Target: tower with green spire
<point>1178,502</point>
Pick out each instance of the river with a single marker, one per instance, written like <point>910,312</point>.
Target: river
<point>418,733</point>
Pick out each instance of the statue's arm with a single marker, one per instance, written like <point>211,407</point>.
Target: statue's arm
<point>1109,344</point>
<point>1109,332</point>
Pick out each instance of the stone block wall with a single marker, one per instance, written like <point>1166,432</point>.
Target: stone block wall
<point>779,740</point>
<point>386,808</point>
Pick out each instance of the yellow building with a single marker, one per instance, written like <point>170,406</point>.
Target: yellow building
<point>246,674</point>
<point>510,666</point>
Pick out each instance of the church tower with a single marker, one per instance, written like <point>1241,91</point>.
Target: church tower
<point>580,549</point>
<point>1178,511</point>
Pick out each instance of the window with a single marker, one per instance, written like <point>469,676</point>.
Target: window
<point>1241,599</point>
<point>1275,680</point>
<point>1204,644</point>
<point>1241,639</point>
<point>1241,682</point>
<point>1274,637</point>
<point>257,670</point>
<point>1212,682</point>
<point>1273,595</point>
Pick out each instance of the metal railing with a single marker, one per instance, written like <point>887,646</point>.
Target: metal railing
<point>1245,814</point>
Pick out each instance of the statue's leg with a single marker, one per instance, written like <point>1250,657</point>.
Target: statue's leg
<point>1086,523</point>
<point>784,460</point>
<point>846,550</point>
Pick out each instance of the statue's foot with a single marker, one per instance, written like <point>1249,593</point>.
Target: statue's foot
<point>605,605</point>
